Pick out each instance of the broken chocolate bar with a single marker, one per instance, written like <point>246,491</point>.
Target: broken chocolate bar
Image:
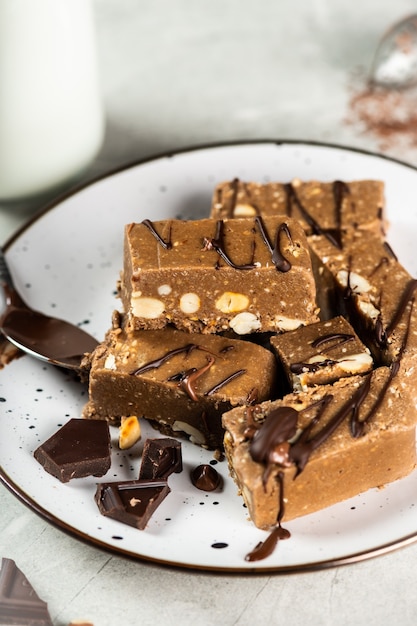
<point>80,448</point>
<point>160,458</point>
<point>19,602</point>
<point>131,502</point>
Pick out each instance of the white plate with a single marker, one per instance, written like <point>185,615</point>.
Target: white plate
<point>67,262</point>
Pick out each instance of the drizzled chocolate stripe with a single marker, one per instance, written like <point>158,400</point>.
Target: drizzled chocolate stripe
<point>383,261</point>
<point>405,299</point>
<point>390,250</point>
<point>224,382</point>
<point>302,449</point>
<point>264,548</point>
<point>188,378</point>
<point>235,189</point>
<point>167,245</point>
<point>279,426</point>
<point>338,338</point>
<point>217,243</point>
<point>281,263</point>
<point>299,368</point>
<point>161,360</point>
<point>334,235</point>
<point>340,191</point>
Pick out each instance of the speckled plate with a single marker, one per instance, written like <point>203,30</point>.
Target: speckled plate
<point>67,261</point>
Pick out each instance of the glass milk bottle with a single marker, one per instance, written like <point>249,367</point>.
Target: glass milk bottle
<point>51,118</point>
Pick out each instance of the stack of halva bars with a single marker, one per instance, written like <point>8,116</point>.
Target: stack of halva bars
<point>282,330</point>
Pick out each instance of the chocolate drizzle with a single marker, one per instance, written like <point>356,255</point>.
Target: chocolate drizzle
<point>300,368</point>
<point>340,190</point>
<point>267,445</point>
<point>338,338</point>
<point>281,263</point>
<point>167,245</point>
<point>217,243</point>
<point>265,548</point>
<point>224,382</point>
<point>161,360</point>
<point>280,427</point>
<point>406,298</point>
<point>188,378</point>
<point>333,235</point>
<point>235,189</point>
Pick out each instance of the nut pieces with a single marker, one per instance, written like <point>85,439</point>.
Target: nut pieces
<point>129,432</point>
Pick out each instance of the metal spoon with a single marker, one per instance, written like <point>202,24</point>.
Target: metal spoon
<point>48,338</point>
<point>395,61</point>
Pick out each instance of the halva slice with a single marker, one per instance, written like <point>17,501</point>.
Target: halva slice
<point>377,294</point>
<point>180,381</point>
<point>209,276</point>
<point>312,449</point>
<point>321,353</point>
<point>319,206</point>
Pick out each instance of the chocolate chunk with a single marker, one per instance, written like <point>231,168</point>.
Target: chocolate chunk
<point>206,478</point>
<point>131,502</point>
<point>80,448</point>
<point>161,457</point>
<point>19,603</point>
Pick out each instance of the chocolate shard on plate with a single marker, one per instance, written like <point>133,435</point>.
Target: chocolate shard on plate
<point>131,502</point>
<point>160,458</point>
<point>80,448</point>
<point>19,603</point>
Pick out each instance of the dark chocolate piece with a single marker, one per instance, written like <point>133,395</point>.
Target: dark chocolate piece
<point>80,448</point>
<point>131,502</point>
<point>19,602</point>
<point>160,458</point>
<point>206,478</point>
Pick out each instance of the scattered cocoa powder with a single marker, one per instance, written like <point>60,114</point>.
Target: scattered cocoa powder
<point>387,115</point>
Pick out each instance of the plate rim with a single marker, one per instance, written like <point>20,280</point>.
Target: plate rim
<point>75,533</point>
<point>166,154</point>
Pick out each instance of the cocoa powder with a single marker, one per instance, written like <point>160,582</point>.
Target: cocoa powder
<point>387,115</point>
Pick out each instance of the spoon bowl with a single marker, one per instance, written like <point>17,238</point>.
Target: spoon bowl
<point>395,62</point>
<point>47,338</point>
